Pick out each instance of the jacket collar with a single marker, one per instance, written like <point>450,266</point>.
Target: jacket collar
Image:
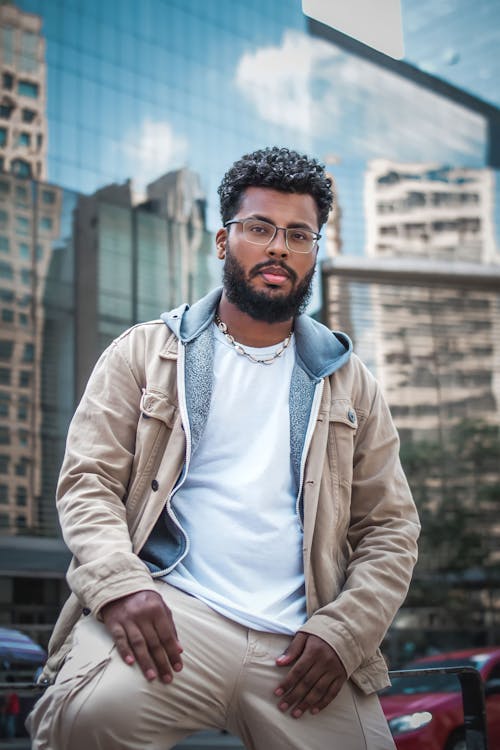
<point>319,350</point>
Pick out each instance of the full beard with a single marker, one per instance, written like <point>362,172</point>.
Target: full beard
<point>262,305</point>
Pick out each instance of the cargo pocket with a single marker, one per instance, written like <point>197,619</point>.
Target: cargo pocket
<point>90,653</point>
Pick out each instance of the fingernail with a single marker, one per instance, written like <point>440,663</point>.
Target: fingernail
<point>167,678</point>
<point>315,711</point>
<point>279,691</point>
<point>178,667</point>
<point>297,713</point>
<point>281,658</point>
<point>150,674</point>
<point>283,706</point>
<point>129,659</point>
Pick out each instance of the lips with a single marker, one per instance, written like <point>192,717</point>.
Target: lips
<point>274,275</point>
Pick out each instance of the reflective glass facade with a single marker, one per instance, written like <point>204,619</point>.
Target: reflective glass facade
<point>117,122</point>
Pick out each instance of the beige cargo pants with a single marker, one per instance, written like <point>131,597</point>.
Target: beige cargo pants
<point>100,703</point>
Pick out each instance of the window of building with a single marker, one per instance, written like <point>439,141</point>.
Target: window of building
<point>6,271</point>
<point>4,463</point>
<point>21,522</point>
<point>48,197</point>
<point>4,187</point>
<point>26,276</point>
<point>23,319</point>
<point>24,379</point>
<point>2,164</point>
<point>39,252</point>
<point>7,315</point>
<point>4,493</point>
<point>3,136</point>
<point>21,194</point>
<point>39,141</point>
<point>24,300</point>
<point>4,216</point>
<point>4,521</point>
<point>21,496</point>
<point>24,251</point>
<point>23,437</point>
<point>5,376</point>
<point>6,349</point>
<point>22,225</point>
<point>29,352</point>
<point>4,435</point>
<point>4,403</point>
<point>24,139</point>
<point>7,295</point>
<point>23,408</point>
<point>28,115</point>
<point>21,168</point>
<point>6,111</point>
<point>46,223</point>
<point>22,467</point>
<point>8,81</point>
<point>4,244</point>
<point>27,88</point>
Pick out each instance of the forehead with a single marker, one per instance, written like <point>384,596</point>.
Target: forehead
<point>284,209</point>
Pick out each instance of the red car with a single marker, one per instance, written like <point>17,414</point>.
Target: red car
<point>425,711</point>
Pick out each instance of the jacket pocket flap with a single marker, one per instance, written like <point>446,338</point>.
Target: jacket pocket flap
<point>343,411</point>
<point>157,406</point>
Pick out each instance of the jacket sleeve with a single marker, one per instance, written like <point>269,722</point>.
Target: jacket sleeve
<point>382,534</point>
<point>93,482</point>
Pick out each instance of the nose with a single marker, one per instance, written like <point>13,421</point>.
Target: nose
<point>277,248</point>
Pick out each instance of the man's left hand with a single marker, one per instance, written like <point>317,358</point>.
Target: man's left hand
<point>314,680</point>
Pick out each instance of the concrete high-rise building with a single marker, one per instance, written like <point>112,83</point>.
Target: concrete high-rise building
<point>23,94</point>
<point>428,211</point>
<point>435,348</point>
<point>28,226</point>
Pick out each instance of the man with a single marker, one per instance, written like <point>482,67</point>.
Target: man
<point>242,530</point>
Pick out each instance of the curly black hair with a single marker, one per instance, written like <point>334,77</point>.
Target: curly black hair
<point>280,169</point>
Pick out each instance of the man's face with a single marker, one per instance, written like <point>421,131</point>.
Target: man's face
<point>269,282</point>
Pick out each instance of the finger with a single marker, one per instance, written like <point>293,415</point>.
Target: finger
<point>293,651</point>
<point>300,688</point>
<point>167,634</point>
<point>140,642</point>
<point>329,696</point>
<point>159,656</point>
<point>122,644</point>
<point>313,696</point>
<point>294,676</point>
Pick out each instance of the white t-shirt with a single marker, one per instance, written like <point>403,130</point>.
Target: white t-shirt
<point>238,502</point>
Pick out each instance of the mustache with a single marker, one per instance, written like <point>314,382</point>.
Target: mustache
<point>273,264</point>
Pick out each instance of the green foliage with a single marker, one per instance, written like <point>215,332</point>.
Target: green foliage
<point>456,485</point>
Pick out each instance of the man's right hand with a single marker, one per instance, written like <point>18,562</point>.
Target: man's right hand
<point>143,630</point>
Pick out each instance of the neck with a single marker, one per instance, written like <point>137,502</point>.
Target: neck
<point>248,331</point>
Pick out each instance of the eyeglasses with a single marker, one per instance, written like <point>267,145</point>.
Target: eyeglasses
<point>260,232</point>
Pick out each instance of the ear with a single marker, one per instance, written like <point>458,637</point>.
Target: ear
<point>220,243</point>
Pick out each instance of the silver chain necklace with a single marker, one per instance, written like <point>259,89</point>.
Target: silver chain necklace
<point>266,361</point>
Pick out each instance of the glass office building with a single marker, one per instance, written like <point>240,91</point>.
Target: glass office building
<point>117,122</point>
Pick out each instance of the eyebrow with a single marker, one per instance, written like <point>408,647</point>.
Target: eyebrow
<point>294,225</point>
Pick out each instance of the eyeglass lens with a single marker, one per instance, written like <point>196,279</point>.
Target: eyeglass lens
<point>262,233</point>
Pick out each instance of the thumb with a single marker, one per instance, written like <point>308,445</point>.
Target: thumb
<point>293,651</point>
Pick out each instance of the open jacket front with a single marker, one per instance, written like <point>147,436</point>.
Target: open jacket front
<point>129,447</point>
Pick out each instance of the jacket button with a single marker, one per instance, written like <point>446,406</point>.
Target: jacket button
<point>351,416</point>
<point>154,485</point>
<point>86,611</point>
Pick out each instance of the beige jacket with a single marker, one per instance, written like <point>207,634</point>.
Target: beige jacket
<point>125,452</point>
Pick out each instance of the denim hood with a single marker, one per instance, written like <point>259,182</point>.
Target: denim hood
<point>320,352</point>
